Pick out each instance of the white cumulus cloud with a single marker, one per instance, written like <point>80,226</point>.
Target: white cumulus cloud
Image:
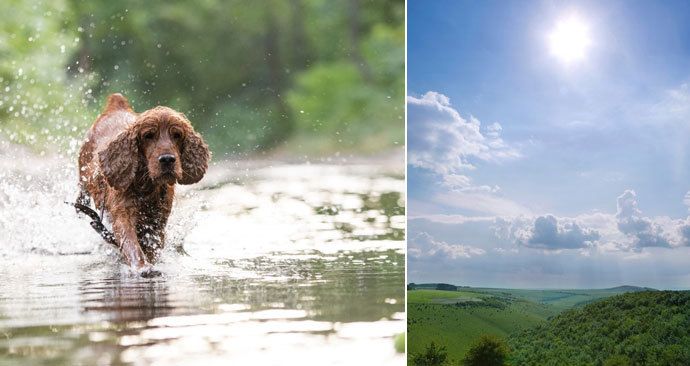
<point>442,141</point>
<point>550,234</point>
<point>646,232</point>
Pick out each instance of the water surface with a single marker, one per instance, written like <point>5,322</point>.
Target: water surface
<point>266,264</point>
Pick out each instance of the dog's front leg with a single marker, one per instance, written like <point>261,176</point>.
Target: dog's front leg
<point>126,237</point>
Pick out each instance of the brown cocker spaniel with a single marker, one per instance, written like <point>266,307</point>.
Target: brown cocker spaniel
<point>129,165</point>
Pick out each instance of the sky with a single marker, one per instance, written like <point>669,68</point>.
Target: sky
<point>549,143</point>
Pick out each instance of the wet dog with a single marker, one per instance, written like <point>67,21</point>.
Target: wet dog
<point>129,165</point>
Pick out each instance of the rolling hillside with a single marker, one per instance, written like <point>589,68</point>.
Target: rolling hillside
<point>455,319</point>
<point>564,299</point>
<point>639,328</point>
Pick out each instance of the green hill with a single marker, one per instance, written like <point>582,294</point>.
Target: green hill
<point>455,319</point>
<point>628,288</point>
<point>636,328</point>
<point>440,296</point>
<point>563,299</point>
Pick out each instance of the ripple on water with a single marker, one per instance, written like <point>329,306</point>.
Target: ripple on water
<point>291,261</point>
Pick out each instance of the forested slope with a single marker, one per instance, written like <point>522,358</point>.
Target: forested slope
<point>640,328</point>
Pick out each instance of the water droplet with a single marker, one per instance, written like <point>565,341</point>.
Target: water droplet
<point>116,67</point>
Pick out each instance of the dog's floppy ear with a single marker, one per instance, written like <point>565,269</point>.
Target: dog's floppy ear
<point>194,158</point>
<point>120,160</point>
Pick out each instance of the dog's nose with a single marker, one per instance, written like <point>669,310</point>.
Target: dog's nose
<point>166,159</point>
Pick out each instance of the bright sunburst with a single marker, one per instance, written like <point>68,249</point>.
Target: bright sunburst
<point>570,40</point>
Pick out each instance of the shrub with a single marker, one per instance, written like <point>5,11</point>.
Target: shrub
<point>488,350</point>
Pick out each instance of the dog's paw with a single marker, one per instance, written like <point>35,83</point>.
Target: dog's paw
<point>147,271</point>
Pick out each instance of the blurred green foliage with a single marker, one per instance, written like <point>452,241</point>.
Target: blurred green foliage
<point>39,102</point>
<point>306,76</point>
<point>399,342</point>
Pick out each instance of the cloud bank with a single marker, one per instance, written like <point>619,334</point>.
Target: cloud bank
<point>628,230</point>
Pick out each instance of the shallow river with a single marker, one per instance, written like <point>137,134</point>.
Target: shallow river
<point>266,264</point>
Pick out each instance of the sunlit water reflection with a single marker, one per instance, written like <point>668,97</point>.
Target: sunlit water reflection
<point>267,264</point>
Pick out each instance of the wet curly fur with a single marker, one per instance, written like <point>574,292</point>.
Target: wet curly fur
<point>129,164</point>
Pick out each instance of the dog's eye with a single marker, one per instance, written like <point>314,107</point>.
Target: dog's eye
<point>149,135</point>
<point>176,135</point>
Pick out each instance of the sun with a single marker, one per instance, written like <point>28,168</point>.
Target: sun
<point>570,40</point>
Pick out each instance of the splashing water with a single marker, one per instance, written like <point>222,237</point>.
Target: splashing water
<point>263,263</point>
<point>33,215</point>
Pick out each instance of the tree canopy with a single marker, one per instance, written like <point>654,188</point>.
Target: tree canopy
<point>640,328</point>
<point>433,355</point>
<point>488,350</point>
<point>325,75</point>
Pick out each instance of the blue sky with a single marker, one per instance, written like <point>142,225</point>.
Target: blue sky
<point>529,169</point>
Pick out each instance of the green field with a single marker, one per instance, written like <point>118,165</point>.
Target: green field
<point>440,296</point>
<point>561,299</point>
<point>455,319</point>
